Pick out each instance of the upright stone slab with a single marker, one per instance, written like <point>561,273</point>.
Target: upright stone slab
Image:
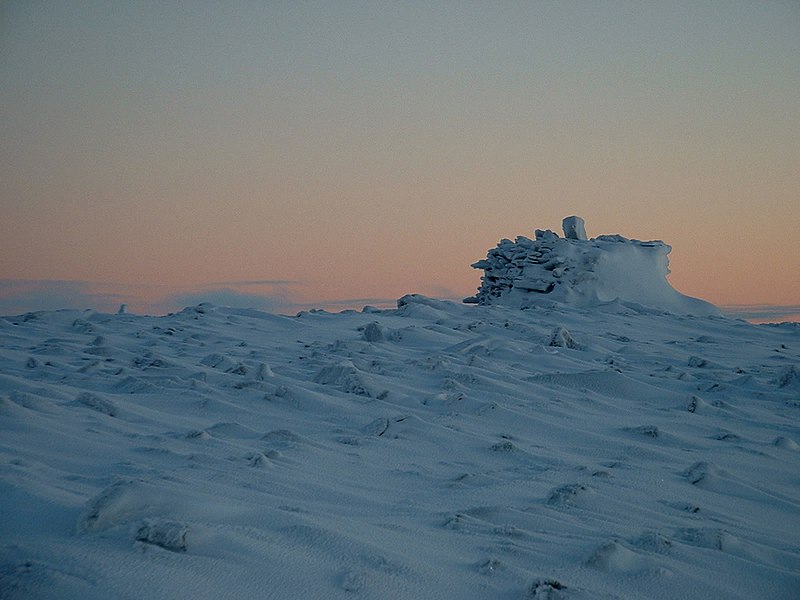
<point>574,228</point>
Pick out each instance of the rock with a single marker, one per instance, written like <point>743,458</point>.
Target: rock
<point>574,228</point>
<point>561,338</point>
<point>165,534</point>
<point>374,332</point>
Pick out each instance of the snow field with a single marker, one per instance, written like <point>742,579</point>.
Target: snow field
<point>431,451</point>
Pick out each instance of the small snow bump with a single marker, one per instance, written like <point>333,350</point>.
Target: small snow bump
<point>653,542</point>
<point>96,403</point>
<point>374,332</point>
<point>645,430</point>
<point>168,535</point>
<point>377,427</point>
<point>789,376</point>
<point>259,460</point>
<point>546,589</point>
<point>504,446</point>
<point>560,337</point>
<point>490,566</point>
<point>700,472</point>
<point>615,557</point>
<point>697,362</point>
<point>693,404</point>
<point>566,495</point>
<point>786,443</point>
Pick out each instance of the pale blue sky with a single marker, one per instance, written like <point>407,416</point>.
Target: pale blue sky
<point>378,148</point>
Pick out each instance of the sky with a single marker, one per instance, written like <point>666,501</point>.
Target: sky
<point>285,155</point>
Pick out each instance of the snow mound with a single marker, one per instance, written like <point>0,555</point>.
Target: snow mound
<point>581,272</point>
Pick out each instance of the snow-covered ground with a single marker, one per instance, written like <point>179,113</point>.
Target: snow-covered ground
<point>436,450</point>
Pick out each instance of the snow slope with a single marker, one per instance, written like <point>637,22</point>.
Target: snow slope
<point>435,450</point>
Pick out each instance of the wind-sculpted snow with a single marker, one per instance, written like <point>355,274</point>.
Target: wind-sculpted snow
<point>581,272</point>
<point>436,450</point>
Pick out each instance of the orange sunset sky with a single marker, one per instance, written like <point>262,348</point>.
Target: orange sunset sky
<point>292,154</point>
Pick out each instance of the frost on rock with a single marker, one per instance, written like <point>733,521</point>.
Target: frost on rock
<point>574,228</point>
<point>582,272</point>
<point>166,534</point>
<point>562,338</point>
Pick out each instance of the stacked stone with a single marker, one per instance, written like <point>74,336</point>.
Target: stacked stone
<point>577,271</point>
<point>526,265</point>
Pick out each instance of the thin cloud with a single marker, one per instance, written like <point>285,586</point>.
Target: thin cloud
<point>228,297</point>
<point>443,293</point>
<point>763,312</point>
<point>259,282</point>
<point>18,296</point>
<point>348,303</point>
<point>27,295</point>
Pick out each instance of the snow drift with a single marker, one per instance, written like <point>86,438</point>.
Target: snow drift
<point>581,272</point>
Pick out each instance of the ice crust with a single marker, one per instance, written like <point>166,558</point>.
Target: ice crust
<point>581,272</point>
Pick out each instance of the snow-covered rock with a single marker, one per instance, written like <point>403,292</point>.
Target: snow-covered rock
<point>581,272</point>
<point>574,228</point>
